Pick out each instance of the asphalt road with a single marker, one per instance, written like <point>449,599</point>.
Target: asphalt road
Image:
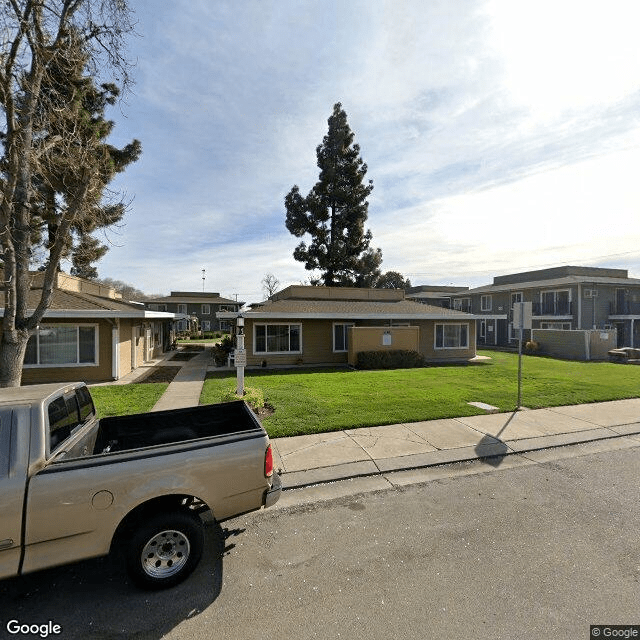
<point>533,552</point>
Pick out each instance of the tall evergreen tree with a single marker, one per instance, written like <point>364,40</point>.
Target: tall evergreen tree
<point>335,211</point>
<point>392,280</point>
<point>73,109</point>
<point>55,164</point>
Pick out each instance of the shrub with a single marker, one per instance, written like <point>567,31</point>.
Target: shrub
<point>389,359</point>
<point>222,350</point>
<point>252,396</point>
<point>532,347</point>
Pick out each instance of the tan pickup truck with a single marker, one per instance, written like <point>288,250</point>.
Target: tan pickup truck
<point>75,487</point>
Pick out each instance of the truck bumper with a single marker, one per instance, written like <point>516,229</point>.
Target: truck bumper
<point>271,496</point>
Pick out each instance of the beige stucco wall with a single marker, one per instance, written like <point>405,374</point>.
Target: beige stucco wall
<point>373,339</point>
<point>94,373</point>
<point>103,371</point>
<point>124,337</point>
<point>427,343</point>
<point>316,340</point>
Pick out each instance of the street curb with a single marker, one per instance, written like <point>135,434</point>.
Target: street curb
<point>321,475</point>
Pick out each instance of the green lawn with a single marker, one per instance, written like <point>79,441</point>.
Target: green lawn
<point>120,400</point>
<point>314,401</point>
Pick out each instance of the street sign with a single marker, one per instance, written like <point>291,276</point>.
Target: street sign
<point>240,358</point>
<point>522,319</point>
<point>522,315</point>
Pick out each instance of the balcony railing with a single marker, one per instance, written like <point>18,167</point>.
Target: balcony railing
<point>624,308</point>
<point>557,308</point>
<point>465,306</point>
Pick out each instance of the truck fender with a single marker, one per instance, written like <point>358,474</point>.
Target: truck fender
<point>160,504</point>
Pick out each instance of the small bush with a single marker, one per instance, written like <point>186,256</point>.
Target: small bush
<point>532,347</point>
<point>222,350</point>
<point>252,396</point>
<point>389,359</point>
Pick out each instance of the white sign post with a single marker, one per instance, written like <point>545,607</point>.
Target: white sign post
<point>240,356</point>
<point>522,319</point>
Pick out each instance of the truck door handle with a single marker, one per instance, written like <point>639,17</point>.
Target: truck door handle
<point>5,544</point>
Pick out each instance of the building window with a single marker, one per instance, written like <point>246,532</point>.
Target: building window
<point>63,345</point>
<point>485,303</point>
<point>277,338</point>
<point>206,325</point>
<point>206,310</point>
<point>555,303</point>
<point>153,307</point>
<point>462,304</point>
<point>181,325</point>
<point>452,336</point>
<point>182,308</point>
<point>341,336</point>
<point>162,307</point>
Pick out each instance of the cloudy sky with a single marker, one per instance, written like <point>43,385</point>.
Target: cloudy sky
<point>500,136</point>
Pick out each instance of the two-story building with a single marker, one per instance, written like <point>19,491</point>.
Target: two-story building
<point>563,298</point>
<point>437,296</point>
<point>203,305</point>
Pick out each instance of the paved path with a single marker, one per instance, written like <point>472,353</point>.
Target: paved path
<point>186,387</point>
<point>325,457</point>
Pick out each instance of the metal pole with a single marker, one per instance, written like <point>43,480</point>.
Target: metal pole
<point>520,367</point>
<point>240,356</point>
<point>240,369</point>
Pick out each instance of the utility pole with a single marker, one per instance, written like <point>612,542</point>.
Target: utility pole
<point>203,276</point>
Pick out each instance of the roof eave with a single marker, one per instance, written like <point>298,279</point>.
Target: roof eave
<point>103,313</point>
<point>266,315</point>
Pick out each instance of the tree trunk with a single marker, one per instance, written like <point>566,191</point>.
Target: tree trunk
<point>14,346</point>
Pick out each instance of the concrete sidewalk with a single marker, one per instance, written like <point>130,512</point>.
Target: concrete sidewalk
<point>326,457</point>
<point>186,387</point>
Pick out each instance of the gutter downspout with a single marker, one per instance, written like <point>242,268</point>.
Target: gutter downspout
<point>579,305</point>
<point>115,350</point>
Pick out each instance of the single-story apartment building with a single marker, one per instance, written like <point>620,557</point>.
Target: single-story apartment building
<point>303,325</point>
<point>89,333</point>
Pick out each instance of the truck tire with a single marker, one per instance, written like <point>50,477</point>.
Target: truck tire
<point>165,549</point>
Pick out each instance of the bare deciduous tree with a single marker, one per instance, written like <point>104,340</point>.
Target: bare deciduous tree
<point>55,164</point>
<point>270,284</point>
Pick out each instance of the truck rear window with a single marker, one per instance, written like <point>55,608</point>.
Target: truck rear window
<point>66,413</point>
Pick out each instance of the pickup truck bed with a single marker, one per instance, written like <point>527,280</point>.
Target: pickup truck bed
<point>123,433</point>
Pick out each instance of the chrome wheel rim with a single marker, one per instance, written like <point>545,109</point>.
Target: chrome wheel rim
<point>165,554</point>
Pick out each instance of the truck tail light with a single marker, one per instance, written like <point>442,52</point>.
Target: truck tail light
<point>268,462</point>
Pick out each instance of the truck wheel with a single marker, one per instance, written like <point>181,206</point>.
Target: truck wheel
<point>165,549</point>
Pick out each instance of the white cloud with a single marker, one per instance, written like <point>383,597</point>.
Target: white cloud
<point>492,131</point>
<point>579,214</point>
<point>568,55</point>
